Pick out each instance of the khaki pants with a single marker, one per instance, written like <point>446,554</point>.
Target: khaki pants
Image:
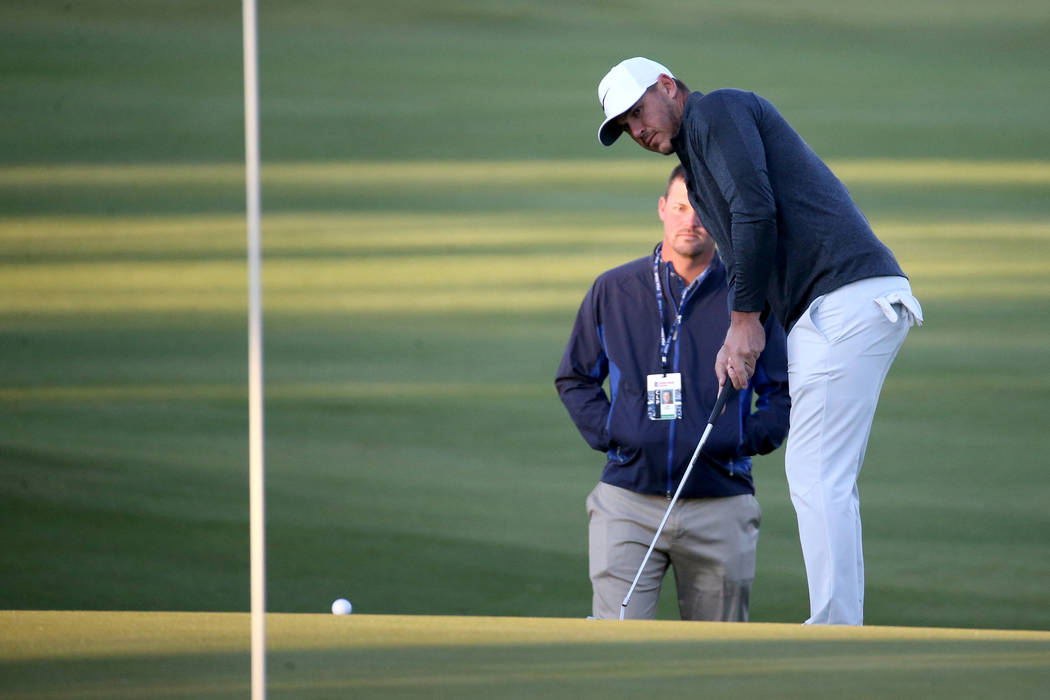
<point>710,543</point>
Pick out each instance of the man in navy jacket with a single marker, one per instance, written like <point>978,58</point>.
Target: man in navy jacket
<point>653,327</point>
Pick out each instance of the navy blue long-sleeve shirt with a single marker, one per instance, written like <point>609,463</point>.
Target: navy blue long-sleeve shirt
<point>617,336</point>
<point>786,227</point>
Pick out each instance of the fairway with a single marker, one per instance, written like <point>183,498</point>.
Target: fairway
<point>435,207</point>
<point>126,331</point>
<point>200,655</point>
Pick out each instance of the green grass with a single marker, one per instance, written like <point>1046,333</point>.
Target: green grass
<point>435,206</point>
<point>494,79</point>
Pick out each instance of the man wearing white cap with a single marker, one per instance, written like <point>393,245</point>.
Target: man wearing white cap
<point>794,243</point>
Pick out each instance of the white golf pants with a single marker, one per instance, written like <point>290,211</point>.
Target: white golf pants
<point>839,353</point>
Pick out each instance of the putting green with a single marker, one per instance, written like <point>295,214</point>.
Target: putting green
<point>56,654</point>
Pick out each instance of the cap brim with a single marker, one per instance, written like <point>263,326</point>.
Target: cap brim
<point>609,131</point>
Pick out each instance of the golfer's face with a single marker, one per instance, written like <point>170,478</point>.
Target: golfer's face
<point>652,121</point>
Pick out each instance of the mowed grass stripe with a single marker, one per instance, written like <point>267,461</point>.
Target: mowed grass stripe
<point>31,240</point>
<point>492,172</point>
<point>366,390</point>
<point>416,673</point>
<point>317,263</point>
<point>681,666</point>
<point>274,391</point>
<point>321,287</point>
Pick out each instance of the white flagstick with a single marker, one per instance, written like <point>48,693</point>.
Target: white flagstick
<point>256,480</point>
<point>720,403</point>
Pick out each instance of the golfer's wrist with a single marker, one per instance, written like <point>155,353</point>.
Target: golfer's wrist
<point>745,318</point>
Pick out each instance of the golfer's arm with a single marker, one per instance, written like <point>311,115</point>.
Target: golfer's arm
<point>733,149</point>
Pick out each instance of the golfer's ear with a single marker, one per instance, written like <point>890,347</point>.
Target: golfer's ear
<point>668,84</point>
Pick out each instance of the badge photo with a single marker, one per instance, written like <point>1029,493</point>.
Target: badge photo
<point>664,393</point>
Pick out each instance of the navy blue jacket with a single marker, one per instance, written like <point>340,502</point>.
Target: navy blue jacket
<point>786,227</point>
<point>617,335</point>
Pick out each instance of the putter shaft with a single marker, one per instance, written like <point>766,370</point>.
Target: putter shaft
<point>720,403</point>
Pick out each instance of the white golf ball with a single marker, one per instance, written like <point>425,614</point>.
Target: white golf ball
<point>342,606</point>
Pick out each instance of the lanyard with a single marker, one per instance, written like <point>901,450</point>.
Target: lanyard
<point>669,337</point>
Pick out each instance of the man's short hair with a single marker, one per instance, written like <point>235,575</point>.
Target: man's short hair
<point>677,174</point>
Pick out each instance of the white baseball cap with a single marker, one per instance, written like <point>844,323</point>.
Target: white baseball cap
<point>621,88</point>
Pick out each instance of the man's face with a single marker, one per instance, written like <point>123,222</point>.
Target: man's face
<point>683,232</point>
<point>654,119</point>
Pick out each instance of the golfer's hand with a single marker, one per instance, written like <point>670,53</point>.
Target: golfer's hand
<point>739,354</point>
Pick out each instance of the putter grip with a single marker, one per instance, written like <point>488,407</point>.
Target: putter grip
<point>720,402</point>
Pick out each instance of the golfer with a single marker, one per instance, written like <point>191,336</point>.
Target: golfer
<point>794,243</point>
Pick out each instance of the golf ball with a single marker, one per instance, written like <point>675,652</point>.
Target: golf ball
<point>342,606</point>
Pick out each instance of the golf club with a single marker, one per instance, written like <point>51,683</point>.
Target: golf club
<point>720,402</point>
